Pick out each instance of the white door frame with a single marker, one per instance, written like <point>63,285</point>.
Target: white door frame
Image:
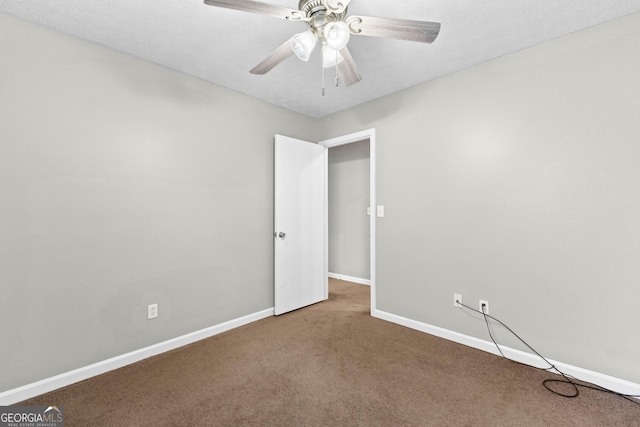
<point>369,134</point>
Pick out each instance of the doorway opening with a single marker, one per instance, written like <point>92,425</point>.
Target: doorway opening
<point>359,137</point>
<point>348,206</point>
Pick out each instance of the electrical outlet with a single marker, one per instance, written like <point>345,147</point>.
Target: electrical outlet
<point>457,299</point>
<point>152,311</point>
<point>484,306</point>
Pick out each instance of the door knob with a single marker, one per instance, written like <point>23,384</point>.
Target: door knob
<point>281,235</point>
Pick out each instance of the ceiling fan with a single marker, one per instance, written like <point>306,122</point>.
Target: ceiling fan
<point>330,25</point>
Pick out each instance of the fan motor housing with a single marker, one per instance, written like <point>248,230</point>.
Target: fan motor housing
<point>313,8</point>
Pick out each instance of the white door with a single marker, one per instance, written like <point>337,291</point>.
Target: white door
<point>300,224</point>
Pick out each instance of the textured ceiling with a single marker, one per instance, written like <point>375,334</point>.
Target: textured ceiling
<point>222,45</point>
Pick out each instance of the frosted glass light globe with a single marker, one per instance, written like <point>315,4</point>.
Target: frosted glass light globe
<point>336,35</point>
<point>330,57</point>
<point>303,44</point>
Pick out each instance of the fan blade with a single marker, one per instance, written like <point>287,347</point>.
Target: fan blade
<point>347,69</point>
<point>403,29</point>
<point>276,57</point>
<point>258,7</point>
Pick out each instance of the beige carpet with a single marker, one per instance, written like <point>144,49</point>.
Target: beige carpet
<point>330,364</point>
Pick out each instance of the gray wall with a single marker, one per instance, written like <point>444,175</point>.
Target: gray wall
<point>518,181</point>
<point>348,201</point>
<point>122,184</point>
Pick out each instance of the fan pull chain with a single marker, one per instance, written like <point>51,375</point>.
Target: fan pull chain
<point>322,79</point>
<point>336,68</point>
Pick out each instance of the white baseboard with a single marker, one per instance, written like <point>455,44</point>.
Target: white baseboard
<point>350,279</point>
<point>606,381</point>
<point>19,394</point>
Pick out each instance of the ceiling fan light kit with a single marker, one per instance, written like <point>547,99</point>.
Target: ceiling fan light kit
<point>329,24</point>
<point>330,57</point>
<point>336,35</point>
<point>303,44</point>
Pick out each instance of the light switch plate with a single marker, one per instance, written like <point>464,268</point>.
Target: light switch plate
<point>380,211</point>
